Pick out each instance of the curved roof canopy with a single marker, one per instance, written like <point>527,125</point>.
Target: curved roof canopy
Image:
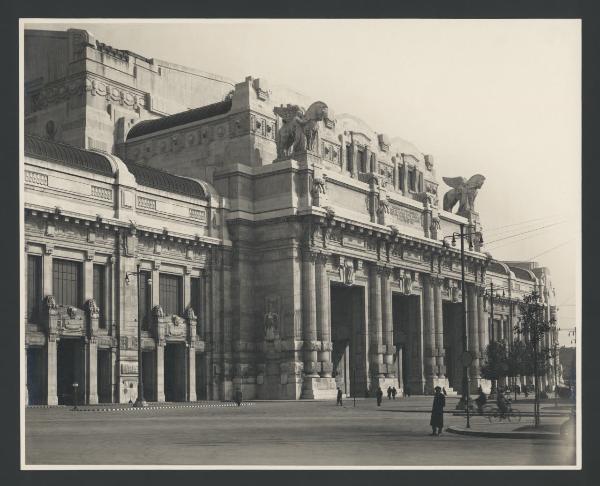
<point>522,273</point>
<point>164,181</point>
<point>44,149</point>
<point>496,268</point>
<point>150,126</point>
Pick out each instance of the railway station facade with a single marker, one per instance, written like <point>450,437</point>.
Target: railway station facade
<point>265,243</point>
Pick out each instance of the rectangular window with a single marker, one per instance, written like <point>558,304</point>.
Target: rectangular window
<point>34,287</point>
<point>195,297</point>
<point>401,177</point>
<point>362,161</point>
<point>67,282</point>
<point>420,185</point>
<point>170,294</point>
<point>349,158</point>
<point>100,293</point>
<point>145,300</point>
<point>412,180</point>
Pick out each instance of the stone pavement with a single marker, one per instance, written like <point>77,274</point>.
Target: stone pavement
<point>299,433</point>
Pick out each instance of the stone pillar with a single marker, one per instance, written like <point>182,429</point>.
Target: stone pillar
<point>160,370</point>
<point>353,151</point>
<point>47,272</point>
<point>388,325</point>
<point>375,326</point>
<point>88,279</point>
<point>52,391</point>
<point>91,358</point>
<point>323,316</point>
<point>429,334</point>
<point>473,326</point>
<point>155,284</point>
<point>191,365</point>
<point>500,328</point>
<point>439,327</point>
<point>400,369</point>
<point>309,312</point>
<point>483,321</point>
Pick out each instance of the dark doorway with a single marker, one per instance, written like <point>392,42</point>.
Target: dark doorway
<point>407,339</point>
<point>349,338</point>
<point>175,372</point>
<point>104,376</point>
<point>35,376</point>
<point>453,335</point>
<point>70,368</point>
<point>149,375</point>
<point>201,392</point>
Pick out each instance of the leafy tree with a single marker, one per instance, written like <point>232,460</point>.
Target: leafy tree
<point>534,326</point>
<point>496,365</point>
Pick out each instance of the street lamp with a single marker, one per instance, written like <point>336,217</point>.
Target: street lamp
<point>467,356</point>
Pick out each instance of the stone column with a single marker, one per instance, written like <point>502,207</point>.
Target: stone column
<point>160,370</point>
<point>309,312</point>
<point>473,326</point>
<point>191,382</point>
<point>439,327</point>
<point>155,284</point>
<point>52,390</point>
<point>500,328</point>
<point>388,325</point>
<point>353,150</point>
<point>400,369</point>
<point>91,355</point>
<point>47,272</point>
<point>483,321</point>
<point>88,279</point>
<point>323,316</point>
<point>429,333</point>
<point>375,326</point>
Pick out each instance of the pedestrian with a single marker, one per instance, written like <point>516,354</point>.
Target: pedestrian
<point>406,391</point>
<point>437,412</point>
<point>339,397</point>
<point>379,396</point>
<point>389,392</point>
<point>394,393</point>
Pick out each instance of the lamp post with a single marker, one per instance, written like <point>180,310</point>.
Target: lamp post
<point>75,390</point>
<point>467,356</point>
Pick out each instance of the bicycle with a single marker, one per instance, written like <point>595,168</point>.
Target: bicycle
<point>494,413</point>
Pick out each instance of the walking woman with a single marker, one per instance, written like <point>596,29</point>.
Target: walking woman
<point>437,412</point>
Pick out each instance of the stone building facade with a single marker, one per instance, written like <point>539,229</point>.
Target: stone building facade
<point>266,247</point>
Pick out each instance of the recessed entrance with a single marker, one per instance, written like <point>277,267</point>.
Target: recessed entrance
<point>175,372</point>
<point>35,376</point>
<point>70,368</point>
<point>407,339</point>
<point>104,376</point>
<point>453,335</point>
<point>149,375</point>
<point>349,340</point>
<point>201,377</point>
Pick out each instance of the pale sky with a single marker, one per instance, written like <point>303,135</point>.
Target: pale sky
<point>496,97</point>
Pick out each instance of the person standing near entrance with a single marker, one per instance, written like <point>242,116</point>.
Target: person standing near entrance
<point>437,412</point>
<point>339,397</point>
<point>379,396</point>
<point>389,392</point>
<point>394,393</point>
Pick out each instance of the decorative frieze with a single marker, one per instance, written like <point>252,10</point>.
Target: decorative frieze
<point>404,215</point>
<point>36,178</point>
<point>102,193</point>
<point>199,214</point>
<point>146,203</point>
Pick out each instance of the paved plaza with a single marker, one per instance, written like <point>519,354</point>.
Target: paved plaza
<point>279,433</point>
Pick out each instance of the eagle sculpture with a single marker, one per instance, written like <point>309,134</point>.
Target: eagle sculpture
<point>463,192</point>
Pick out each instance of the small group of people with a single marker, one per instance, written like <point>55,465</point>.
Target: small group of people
<point>391,393</point>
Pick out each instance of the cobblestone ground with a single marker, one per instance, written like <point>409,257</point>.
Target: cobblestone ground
<point>276,433</point>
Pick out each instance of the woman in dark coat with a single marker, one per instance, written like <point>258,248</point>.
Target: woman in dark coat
<point>437,412</point>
